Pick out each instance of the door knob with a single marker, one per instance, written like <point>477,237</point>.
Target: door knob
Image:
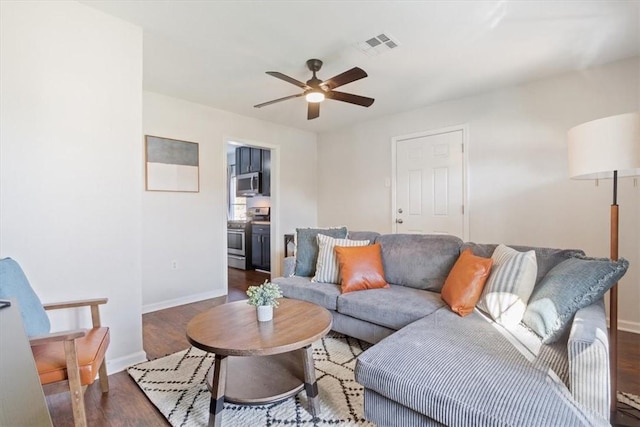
<point>400,210</point>
<point>399,220</point>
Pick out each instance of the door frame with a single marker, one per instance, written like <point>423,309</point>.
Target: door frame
<point>465,175</point>
<point>276,245</point>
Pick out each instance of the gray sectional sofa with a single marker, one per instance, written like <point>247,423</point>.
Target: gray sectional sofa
<point>430,366</point>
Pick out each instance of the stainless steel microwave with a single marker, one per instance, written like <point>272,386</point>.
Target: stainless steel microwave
<point>249,184</point>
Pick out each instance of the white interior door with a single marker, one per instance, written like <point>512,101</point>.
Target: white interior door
<point>430,183</point>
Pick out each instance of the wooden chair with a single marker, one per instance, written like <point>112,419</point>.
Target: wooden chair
<point>71,358</point>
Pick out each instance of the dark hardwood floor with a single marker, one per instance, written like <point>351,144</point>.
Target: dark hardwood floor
<point>164,333</point>
<point>164,330</point>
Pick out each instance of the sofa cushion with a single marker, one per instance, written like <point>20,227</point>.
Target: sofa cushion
<point>464,284</point>
<point>571,285</point>
<point>546,258</point>
<point>417,260</point>
<point>363,235</point>
<point>307,247</point>
<point>509,286</point>
<point>327,270</point>
<point>360,268</point>
<point>461,371</point>
<point>302,288</point>
<point>393,308</point>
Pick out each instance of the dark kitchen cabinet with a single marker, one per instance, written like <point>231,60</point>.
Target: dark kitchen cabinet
<point>261,247</point>
<point>248,159</point>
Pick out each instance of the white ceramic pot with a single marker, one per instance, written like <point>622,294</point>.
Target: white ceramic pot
<point>265,313</point>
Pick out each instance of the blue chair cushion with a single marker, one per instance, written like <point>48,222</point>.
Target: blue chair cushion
<point>14,285</point>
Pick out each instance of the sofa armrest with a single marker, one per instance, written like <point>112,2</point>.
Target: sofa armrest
<point>588,349</point>
<point>289,266</point>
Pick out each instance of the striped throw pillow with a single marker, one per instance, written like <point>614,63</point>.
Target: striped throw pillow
<point>509,286</point>
<point>327,270</point>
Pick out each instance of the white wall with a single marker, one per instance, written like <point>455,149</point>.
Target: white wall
<point>70,161</point>
<point>191,227</point>
<point>519,189</point>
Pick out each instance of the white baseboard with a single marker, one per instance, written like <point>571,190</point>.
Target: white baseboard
<point>148,308</point>
<point>624,325</point>
<point>122,363</point>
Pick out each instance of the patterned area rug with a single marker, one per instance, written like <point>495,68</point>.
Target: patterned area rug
<point>176,385</point>
<point>629,399</point>
<point>629,405</point>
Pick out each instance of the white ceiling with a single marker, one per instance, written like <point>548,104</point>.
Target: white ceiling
<point>216,52</point>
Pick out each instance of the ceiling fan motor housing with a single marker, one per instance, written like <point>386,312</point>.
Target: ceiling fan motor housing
<point>314,65</point>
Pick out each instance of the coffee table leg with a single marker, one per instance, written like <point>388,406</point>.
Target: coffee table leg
<point>310,383</point>
<point>217,391</point>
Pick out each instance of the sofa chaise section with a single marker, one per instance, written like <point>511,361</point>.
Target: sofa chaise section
<point>455,370</point>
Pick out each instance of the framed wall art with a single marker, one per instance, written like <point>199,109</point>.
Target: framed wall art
<point>171,165</point>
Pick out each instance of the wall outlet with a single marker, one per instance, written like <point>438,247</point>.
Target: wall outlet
<point>174,265</point>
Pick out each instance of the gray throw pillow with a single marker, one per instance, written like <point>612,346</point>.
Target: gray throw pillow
<point>569,286</point>
<point>307,247</point>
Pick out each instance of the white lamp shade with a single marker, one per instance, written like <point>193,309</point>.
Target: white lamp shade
<point>599,147</point>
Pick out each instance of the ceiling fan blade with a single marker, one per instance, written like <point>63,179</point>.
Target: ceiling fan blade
<point>264,104</point>
<point>342,79</point>
<point>288,79</point>
<point>350,98</point>
<point>313,110</point>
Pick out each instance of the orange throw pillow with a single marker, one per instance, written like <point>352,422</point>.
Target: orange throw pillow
<point>464,284</point>
<point>360,268</point>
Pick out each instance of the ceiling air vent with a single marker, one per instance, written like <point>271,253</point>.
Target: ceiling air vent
<point>378,45</point>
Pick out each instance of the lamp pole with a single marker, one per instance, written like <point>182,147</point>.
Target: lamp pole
<point>613,300</point>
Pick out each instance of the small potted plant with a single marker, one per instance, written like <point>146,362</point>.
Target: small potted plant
<point>264,297</point>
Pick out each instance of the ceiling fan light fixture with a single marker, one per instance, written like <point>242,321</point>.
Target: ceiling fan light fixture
<point>315,96</point>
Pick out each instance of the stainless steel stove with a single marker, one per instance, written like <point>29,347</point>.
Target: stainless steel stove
<point>239,244</point>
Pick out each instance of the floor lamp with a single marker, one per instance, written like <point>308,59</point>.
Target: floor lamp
<point>602,149</point>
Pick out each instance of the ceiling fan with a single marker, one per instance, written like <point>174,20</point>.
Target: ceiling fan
<point>316,90</point>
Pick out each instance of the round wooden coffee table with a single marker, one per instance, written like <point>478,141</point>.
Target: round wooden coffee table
<point>260,362</point>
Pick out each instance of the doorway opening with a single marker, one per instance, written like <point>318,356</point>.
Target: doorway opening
<point>251,178</point>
